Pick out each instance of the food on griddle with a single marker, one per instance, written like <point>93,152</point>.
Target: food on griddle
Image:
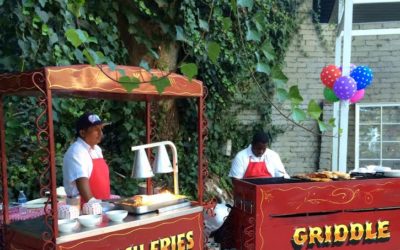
<point>145,200</point>
<point>342,175</point>
<point>324,176</point>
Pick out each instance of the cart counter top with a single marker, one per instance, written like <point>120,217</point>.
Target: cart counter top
<point>35,227</point>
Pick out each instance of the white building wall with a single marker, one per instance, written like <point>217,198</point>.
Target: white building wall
<point>300,150</point>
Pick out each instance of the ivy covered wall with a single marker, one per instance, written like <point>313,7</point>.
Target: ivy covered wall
<point>311,49</point>
<point>251,38</point>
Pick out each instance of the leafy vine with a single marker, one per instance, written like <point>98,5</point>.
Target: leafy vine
<point>235,47</point>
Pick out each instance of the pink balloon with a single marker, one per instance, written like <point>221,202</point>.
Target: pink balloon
<point>357,96</point>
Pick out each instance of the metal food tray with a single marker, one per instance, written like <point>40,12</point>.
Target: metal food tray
<point>150,208</point>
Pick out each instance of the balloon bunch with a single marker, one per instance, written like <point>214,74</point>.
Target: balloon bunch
<point>338,87</point>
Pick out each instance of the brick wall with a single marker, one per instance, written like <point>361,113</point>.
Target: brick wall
<point>299,149</point>
<point>302,151</point>
<point>382,55</point>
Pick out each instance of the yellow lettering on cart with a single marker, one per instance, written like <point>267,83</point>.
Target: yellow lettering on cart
<point>173,242</point>
<point>190,241</point>
<point>383,229</point>
<point>356,231</point>
<point>165,244</point>
<point>341,232</point>
<point>316,234</point>
<point>369,235</point>
<point>328,234</point>
<point>154,245</point>
<point>181,242</point>
<point>300,236</point>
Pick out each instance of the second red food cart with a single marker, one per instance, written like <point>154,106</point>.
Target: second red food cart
<point>296,215</point>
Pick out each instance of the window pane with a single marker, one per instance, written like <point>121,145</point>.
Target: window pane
<point>391,150</point>
<point>364,163</point>
<point>370,115</point>
<point>393,164</point>
<point>391,114</point>
<point>391,132</point>
<point>370,133</point>
<point>370,150</point>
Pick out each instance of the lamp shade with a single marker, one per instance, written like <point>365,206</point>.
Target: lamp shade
<point>162,164</point>
<point>141,165</point>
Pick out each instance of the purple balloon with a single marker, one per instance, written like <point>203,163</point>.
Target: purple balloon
<point>345,87</point>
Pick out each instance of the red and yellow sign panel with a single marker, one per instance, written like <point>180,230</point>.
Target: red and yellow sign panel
<point>185,232</point>
<point>333,235</point>
<point>345,215</point>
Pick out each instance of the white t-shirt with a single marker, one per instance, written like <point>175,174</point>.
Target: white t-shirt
<point>272,160</point>
<point>78,163</point>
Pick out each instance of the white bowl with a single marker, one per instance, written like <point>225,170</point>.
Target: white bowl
<point>117,215</point>
<point>90,220</point>
<point>67,225</point>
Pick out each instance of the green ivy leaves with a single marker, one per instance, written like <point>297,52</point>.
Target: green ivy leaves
<point>263,68</point>
<point>314,110</point>
<point>160,83</point>
<point>180,35</point>
<point>76,36</point>
<point>298,115</point>
<point>213,50</point>
<point>294,95</point>
<point>245,3</point>
<point>268,50</point>
<point>129,83</point>
<point>189,70</point>
<point>278,77</point>
<point>76,7</point>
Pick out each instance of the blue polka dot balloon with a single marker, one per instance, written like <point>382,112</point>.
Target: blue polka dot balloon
<point>363,76</point>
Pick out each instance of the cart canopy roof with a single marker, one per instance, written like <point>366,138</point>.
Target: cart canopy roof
<point>97,82</point>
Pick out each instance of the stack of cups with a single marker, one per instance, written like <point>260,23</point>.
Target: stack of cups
<point>68,212</point>
<point>92,208</point>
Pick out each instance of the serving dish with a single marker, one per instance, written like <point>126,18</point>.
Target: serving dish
<point>117,215</point>
<point>90,220</point>
<point>149,203</point>
<point>67,225</point>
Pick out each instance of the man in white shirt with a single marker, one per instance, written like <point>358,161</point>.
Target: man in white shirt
<point>257,161</point>
<point>85,172</point>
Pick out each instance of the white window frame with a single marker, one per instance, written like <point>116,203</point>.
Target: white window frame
<point>357,129</point>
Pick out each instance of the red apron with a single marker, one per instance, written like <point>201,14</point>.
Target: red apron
<point>257,170</point>
<point>99,180</point>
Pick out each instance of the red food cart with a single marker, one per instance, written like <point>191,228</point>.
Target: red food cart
<point>275,213</point>
<point>181,228</point>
